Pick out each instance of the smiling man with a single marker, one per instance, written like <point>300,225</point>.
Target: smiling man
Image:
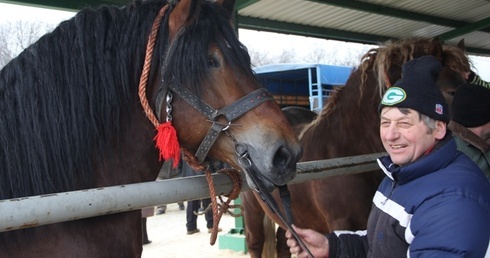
<point>434,201</point>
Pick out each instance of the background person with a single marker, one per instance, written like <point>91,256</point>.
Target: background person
<point>194,206</point>
<point>434,201</point>
<point>471,110</point>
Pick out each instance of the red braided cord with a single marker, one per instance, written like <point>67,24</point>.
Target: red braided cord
<point>218,213</point>
<point>146,67</point>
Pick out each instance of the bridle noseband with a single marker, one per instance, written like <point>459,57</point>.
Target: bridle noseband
<point>230,112</point>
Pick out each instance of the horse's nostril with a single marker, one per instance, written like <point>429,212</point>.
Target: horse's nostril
<point>282,158</point>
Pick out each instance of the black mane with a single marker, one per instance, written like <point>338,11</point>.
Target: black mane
<point>66,98</point>
<point>189,53</point>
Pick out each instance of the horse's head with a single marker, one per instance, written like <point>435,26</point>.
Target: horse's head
<point>207,71</point>
<point>455,63</point>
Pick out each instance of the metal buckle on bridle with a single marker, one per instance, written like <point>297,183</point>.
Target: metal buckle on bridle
<point>226,127</point>
<point>243,157</point>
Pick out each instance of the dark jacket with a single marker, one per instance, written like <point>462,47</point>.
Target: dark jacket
<point>437,206</point>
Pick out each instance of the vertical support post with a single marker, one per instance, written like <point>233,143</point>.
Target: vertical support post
<point>235,238</point>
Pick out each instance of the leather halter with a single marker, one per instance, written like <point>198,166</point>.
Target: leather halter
<point>231,112</point>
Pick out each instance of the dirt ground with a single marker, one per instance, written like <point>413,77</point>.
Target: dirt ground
<point>169,237</point>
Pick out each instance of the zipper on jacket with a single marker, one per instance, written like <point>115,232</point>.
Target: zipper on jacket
<point>393,185</point>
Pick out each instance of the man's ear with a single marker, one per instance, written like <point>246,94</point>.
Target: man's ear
<point>441,130</point>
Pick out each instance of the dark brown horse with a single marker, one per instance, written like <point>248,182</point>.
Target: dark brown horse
<point>71,117</point>
<point>348,126</point>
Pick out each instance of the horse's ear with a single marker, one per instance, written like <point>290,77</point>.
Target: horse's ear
<point>435,49</point>
<point>229,5</point>
<point>179,16</point>
<point>461,45</point>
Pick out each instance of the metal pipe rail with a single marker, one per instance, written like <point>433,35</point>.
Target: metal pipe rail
<point>46,209</point>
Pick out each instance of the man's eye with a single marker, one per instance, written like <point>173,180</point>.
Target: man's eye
<point>385,124</point>
<point>404,125</point>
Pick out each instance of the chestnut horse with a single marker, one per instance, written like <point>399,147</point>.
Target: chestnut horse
<point>72,116</point>
<point>348,126</point>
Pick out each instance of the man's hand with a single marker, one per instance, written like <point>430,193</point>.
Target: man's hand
<point>316,242</point>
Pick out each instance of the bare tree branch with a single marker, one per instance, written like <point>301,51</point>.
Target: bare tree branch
<point>18,35</point>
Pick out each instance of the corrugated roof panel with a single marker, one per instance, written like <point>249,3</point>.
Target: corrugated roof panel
<point>442,15</point>
<point>469,10</point>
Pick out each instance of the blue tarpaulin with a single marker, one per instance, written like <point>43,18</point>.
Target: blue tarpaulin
<point>330,74</point>
<point>301,80</point>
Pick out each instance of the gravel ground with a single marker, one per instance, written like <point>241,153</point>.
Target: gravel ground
<point>169,237</point>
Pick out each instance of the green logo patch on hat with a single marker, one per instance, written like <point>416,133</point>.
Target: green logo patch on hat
<point>393,95</point>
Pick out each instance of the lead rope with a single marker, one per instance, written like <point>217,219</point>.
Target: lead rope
<point>146,67</point>
<point>218,209</point>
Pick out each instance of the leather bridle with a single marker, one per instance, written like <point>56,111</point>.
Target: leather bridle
<point>230,112</point>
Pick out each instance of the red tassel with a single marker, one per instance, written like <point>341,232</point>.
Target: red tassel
<point>167,143</point>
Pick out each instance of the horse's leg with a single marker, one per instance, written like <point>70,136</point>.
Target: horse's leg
<point>282,247</point>
<point>253,218</point>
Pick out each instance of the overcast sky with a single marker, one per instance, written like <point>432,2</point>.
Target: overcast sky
<point>264,41</point>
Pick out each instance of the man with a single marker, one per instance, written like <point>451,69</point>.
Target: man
<point>434,201</point>
<point>471,124</point>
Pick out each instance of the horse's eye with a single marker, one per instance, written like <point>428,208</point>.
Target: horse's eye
<point>452,93</point>
<point>212,62</point>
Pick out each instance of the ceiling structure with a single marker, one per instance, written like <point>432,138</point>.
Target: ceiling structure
<point>361,21</point>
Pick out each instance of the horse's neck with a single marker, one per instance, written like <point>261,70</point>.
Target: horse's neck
<point>351,126</point>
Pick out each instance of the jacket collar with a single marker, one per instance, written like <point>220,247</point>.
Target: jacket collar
<point>443,153</point>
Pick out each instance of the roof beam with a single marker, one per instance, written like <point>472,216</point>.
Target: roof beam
<point>247,22</point>
<point>465,29</point>
<point>392,12</point>
<point>240,4</point>
<point>71,5</point>
<point>317,32</point>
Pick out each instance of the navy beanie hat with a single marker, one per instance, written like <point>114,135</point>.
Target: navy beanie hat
<point>471,105</point>
<point>417,89</point>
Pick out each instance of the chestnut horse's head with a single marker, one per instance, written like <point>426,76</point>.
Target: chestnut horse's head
<point>455,63</point>
<point>218,107</point>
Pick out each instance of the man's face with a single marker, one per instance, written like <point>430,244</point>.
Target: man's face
<point>486,132</point>
<point>406,137</point>
<point>483,131</point>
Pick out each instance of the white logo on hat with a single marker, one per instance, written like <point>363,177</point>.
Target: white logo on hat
<point>393,95</point>
<point>439,109</point>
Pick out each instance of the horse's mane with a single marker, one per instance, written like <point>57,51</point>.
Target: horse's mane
<point>66,100</point>
<point>385,64</point>
<point>187,65</point>
<point>393,54</point>
<point>67,97</point>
